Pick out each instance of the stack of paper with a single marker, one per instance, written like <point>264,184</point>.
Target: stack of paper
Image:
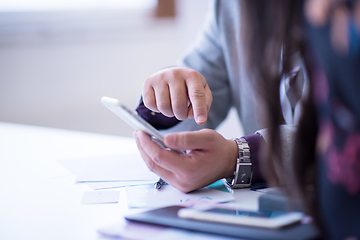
<point>130,170</point>
<point>110,171</point>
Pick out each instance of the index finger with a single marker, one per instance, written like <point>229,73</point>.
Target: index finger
<point>197,97</point>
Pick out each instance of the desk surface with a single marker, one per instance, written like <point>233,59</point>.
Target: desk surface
<point>39,199</point>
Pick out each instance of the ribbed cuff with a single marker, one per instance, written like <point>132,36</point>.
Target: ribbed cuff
<point>255,141</point>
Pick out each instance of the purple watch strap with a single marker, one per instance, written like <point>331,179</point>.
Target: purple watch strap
<point>255,141</point>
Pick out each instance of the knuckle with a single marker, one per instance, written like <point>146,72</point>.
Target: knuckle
<point>155,80</point>
<point>174,73</point>
<point>150,103</point>
<point>151,166</point>
<point>157,158</point>
<point>197,93</point>
<point>181,139</point>
<point>151,82</point>
<point>208,135</point>
<point>192,74</point>
<point>179,74</point>
<point>148,82</point>
<point>162,77</point>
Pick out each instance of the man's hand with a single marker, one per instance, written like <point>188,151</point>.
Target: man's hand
<point>209,157</point>
<point>180,92</point>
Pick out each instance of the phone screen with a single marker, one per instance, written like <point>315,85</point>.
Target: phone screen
<point>266,214</point>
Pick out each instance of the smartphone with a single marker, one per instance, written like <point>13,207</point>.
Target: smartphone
<point>268,219</point>
<point>135,121</point>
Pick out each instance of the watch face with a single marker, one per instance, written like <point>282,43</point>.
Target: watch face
<point>245,174</point>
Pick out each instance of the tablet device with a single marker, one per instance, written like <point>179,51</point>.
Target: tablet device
<point>168,216</point>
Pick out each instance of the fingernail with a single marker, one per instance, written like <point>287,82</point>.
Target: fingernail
<point>200,119</point>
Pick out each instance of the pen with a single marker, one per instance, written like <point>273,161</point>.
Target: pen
<point>159,183</point>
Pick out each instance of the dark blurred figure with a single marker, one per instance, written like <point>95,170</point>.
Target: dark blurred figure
<point>333,30</point>
<point>326,169</point>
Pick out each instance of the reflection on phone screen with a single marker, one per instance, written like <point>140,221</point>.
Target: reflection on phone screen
<point>265,214</point>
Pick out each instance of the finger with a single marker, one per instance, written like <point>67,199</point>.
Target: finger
<point>190,111</point>
<point>197,98</point>
<point>149,98</point>
<point>166,159</point>
<point>209,97</point>
<point>179,99</point>
<point>152,166</point>
<point>176,180</point>
<point>202,139</point>
<point>163,101</point>
<point>165,174</point>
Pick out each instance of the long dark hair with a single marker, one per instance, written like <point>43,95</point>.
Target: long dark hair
<point>271,30</point>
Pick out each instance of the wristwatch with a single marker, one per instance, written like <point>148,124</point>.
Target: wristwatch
<point>243,173</point>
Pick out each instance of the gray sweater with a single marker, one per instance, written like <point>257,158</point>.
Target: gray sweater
<point>218,55</point>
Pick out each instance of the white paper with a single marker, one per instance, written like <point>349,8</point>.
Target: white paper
<point>148,197</point>
<point>107,185</point>
<point>96,197</point>
<point>140,231</point>
<point>126,167</point>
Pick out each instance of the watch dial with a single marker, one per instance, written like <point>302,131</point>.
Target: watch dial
<point>245,173</point>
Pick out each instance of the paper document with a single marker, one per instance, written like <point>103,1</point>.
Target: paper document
<point>148,197</point>
<point>96,197</point>
<point>140,231</point>
<point>117,184</point>
<point>127,167</point>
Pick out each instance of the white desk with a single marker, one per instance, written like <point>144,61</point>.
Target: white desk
<point>40,200</point>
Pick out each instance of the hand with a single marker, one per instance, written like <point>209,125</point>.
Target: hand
<point>180,92</point>
<point>209,157</point>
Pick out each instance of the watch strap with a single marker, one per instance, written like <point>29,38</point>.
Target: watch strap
<point>243,166</point>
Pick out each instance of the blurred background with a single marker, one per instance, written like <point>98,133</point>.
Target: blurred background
<point>59,57</point>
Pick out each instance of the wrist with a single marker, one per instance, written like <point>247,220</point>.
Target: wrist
<point>233,155</point>
<point>242,176</point>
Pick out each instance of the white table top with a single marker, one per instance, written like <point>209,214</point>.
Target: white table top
<point>39,199</point>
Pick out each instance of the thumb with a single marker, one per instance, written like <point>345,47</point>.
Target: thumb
<point>190,140</point>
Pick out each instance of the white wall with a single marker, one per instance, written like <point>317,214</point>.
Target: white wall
<point>55,66</point>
